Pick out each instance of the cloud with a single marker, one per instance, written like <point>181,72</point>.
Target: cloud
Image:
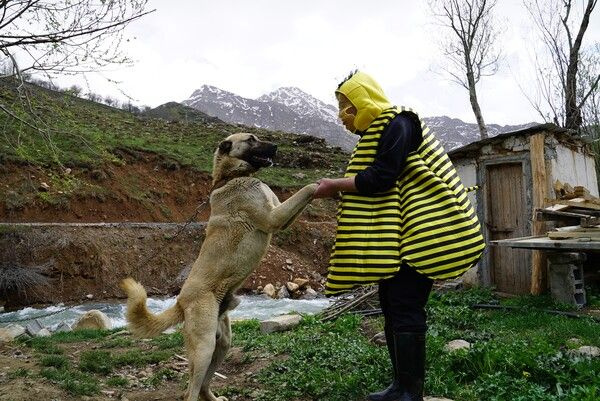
<point>253,47</point>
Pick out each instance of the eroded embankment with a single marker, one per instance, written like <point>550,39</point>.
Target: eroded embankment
<point>65,262</point>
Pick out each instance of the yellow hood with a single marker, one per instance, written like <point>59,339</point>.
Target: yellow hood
<point>367,96</point>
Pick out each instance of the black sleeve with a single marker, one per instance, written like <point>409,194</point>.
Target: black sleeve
<point>400,138</point>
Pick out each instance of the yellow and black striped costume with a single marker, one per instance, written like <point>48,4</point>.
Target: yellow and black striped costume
<point>425,220</point>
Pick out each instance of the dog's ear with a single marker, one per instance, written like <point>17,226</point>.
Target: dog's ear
<point>225,146</point>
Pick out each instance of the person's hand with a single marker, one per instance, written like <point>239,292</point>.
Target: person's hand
<point>327,188</point>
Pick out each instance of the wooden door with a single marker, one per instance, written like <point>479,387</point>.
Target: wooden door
<point>506,218</point>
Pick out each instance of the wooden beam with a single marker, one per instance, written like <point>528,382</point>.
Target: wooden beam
<point>575,202</point>
<point>540,184</point>
<point>592,235</point>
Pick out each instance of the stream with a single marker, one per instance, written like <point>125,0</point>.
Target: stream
<point>251,307</point>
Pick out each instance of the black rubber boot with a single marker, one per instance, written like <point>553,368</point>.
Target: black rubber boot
<point>410,365</point>
<point>394,390</point>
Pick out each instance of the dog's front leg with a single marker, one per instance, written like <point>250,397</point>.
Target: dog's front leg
<point>284,214</point>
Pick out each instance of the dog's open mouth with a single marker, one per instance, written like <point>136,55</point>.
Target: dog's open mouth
<point>261,161</point>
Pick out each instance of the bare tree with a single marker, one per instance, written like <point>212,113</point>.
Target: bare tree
<point>58,37</point>
<point>65,36</point>
<point>588,73</point>
<point>74,90</point>
<point>469,50</point>
<point>562,90</point>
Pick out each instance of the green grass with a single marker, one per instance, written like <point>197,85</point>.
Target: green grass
<point>20,372</point>
<point>49,345</point>
<point>516,355</point>
<point>161,375</point>
<point>104,362</point>
<point>117,381</point>
<point>325,361</point>
<point>56,361</point>
<point>523,354</point>
<point>169,341</point>
<point>96,362</point>
<point>75,382</point>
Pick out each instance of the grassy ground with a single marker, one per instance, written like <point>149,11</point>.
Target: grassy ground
<point>515,356</point>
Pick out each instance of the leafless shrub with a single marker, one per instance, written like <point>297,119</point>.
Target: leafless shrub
<point>24,281</point>
<point>19,272</point>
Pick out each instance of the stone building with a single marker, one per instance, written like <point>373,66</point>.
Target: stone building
<point>516,172</point>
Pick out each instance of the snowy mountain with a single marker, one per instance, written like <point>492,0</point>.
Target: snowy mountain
<point>293,110</point>
<point>302,103</point>
<point>454,133</point>
<point>287,109</point>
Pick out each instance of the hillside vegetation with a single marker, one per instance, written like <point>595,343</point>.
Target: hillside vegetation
<point>73,145</point>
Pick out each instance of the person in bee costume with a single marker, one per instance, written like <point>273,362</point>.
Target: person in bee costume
<point>404,220</point>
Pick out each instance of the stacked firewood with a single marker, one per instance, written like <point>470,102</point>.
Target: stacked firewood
<point>576,212</point>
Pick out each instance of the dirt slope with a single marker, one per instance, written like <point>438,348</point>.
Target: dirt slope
<point>80,261</point>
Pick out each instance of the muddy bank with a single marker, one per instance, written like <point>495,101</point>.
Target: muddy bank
<point>50,263</point>
<point>67,262</point>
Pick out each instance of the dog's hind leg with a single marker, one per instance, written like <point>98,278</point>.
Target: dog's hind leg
<point>200,331</point>
<point>222,346</point>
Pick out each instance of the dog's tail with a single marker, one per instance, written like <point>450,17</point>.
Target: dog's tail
<point>143,323</point>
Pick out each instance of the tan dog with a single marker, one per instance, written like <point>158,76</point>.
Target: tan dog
<point>244,214</point>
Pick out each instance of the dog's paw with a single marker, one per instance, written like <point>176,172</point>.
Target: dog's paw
<point>222,398</point>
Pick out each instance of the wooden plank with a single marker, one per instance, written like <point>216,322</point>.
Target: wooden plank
<point>539,191</point>
<point>594,236</point>
<point>555,207</point>
<point>575,202</point>
<point>579,228</point>
<point>543,242</point>
<point>584,220</point>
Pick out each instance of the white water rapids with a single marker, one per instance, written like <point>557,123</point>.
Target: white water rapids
<point>251,307</point>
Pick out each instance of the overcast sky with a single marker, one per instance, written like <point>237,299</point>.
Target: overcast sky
<point>253,47</point>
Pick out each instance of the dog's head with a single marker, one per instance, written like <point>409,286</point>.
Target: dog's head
<point>242,154</point>
<point>248,148</point>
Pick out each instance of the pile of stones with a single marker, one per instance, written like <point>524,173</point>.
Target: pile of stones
<point>298,288</point>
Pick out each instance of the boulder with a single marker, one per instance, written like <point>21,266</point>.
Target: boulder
<point>11,332</point>
<point>456,345</point>
<point>586,351</point>
<point>292,287</point>
<point>33,327</point>
<point>283,293</point>
<point>43,333</point>
<point>436,399</point>
<point>93,319</point>
<point>280,323</point>
<point>301,282</point>
<point>269,290</point>
<point>309,294</point>
<point>63,326</point>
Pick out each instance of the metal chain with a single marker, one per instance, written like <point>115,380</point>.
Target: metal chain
<point>187,223</point>
<point>146,260</point>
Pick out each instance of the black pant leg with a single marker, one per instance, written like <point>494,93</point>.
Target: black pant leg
<point>403,299</point>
